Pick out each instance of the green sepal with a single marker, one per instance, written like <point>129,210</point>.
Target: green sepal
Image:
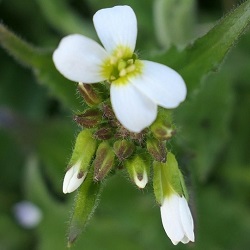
<point>84,150</point>
<point>168,179</point>
<point>123,149</point>
<point>104,133</point>
<point>104,161</point>
<point>157,149</point>
<point>93,94</point>
<point>85,203</point>
<point>137,164</point>
<point>163,128</point>
<point>90,118</point>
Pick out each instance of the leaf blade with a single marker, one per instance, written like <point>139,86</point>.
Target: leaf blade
<point>208,52</point>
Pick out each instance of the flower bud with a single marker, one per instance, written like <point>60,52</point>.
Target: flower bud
<point>157,149</point>
<point>177,219</point>
<point>167,178</point>
<point>170,193</point>
<point>103,133</point>
<point>89,119</point>
<point>83,152</point>
<point>108,111</point>
<point>90,94</point>
<point>73,178</point>
<point>163,128</point>
<point>163,131</point>
<point>138,169</point>
<point>123,149</point>
<point>104,161</point>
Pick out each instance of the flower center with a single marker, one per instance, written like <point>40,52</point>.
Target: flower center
<point>121,65</point>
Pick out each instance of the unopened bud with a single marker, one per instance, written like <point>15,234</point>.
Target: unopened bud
<point>89,119</point>
<point>104,161</point>
<point>73,178</point>
<point>138,169</point>
<point>163,128</point>
<point>83,152</point>
<point>163,131</point>
<point>90,95</point>
<point>123,149</point>
<point>103,133</point>
<point>108,111</point>
<point>168,179</point>
<point>157,149</point>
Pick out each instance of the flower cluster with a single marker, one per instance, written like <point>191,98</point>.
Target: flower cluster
<point>122,127</point>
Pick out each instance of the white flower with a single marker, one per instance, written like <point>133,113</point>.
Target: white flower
<point>177,219</point>
<point>136,86</point>
<point>27,214</point>
<point>73,178</point>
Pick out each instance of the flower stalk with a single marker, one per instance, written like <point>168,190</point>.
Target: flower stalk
<point>85,203</point>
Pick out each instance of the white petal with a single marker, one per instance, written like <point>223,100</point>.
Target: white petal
<point>79,59</point>
<point>71,182</point>
<point>185,240</point>
<point>186,219</point>
<point>134,110</point>
<point>116,26</point>
<point>143,182</point>
<point>27,214</point>
<point>161,84</point>
<point>171,219</point>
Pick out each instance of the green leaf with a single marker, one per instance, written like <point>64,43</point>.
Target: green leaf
<point>174,21</point>
<point>59,14</point>
<point>40,61</point>
<point>205,123</point>
<point>208,52</point>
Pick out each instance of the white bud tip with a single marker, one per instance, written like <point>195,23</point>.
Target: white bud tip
<point>177,219</point>
<point>71,180</point>
<point>141,181</point>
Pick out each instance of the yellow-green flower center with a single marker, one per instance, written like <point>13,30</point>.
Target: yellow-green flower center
<point>122,64</point>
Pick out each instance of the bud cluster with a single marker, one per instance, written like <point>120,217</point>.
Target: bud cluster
<point>115,146</point>
<point>105,146</point>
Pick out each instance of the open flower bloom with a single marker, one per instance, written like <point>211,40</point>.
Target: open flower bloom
<point>73,178</point>
<point>136,86</point>
<point>177,219</point>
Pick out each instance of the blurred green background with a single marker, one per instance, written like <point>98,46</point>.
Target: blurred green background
<point>37,135</point>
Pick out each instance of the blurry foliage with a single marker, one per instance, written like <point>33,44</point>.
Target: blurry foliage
<point>37,135</point>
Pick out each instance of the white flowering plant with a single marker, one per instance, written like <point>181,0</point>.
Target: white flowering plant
<point>132,77</point>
